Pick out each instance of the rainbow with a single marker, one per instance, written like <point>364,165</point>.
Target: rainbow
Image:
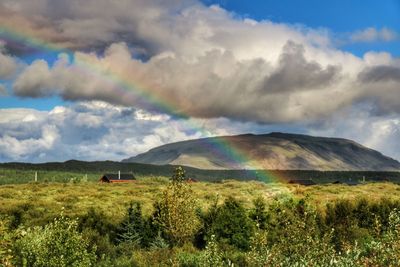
<point>28,40</point>
<point>145,91</point>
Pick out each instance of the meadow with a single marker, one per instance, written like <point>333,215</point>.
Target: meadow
<point>269,224</point>
<point>42,201</point>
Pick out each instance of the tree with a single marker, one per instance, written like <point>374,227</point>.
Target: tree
<point>179,175</point>
<point>259,213</point>
<point>133,227</point>
<point>232,225</point>
<point>175,212</point>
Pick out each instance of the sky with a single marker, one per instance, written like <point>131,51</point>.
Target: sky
<point>106,80</point>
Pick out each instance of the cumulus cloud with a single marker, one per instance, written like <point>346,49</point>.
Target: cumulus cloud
<point>359,124</point>
<point>100,131</point>
<point>80,24</point>
<point>380,73</point>
<point>373,35</point>
<point>216,84</point>
<point>87,131</point>
<point>8,65</point>
<point>185,58</point>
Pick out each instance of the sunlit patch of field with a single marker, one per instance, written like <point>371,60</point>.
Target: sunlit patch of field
<point>40,202</point>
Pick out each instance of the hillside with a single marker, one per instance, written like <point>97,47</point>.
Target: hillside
<point>274,151</point>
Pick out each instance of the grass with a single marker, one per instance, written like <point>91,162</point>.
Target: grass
<point>38,203</point>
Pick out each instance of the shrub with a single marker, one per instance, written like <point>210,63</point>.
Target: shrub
<point>132,228</point>
<point>259,213</point>
<point>232,225</point>
<point>212,254</point>
<point>175,213</point>
<point>98,231</point>
<point>57,244</point>
<point>207,220</point>
<point>179,175</point>
<point>385,251</point>
<point>5,244</point>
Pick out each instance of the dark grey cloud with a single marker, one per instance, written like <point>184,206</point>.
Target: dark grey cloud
<point>380,74</point>
<point>8,64</point>
<point>296,73</point>
<point>212,85</point>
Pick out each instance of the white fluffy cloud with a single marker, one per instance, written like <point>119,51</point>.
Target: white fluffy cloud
<point>377,132</point>
<point>87,131</point>
<point>373,35</point>
<point>100,131</point>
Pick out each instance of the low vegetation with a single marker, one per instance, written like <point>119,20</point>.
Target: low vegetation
<point>160,222</point>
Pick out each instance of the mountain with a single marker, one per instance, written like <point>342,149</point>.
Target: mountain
<point>273,151</point>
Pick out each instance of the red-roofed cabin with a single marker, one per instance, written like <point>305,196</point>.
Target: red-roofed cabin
<point>117,178</point>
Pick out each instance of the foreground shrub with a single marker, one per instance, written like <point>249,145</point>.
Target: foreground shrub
<point>57,244</point>
<point>232,224</point>
<point>175,213</point>
<point>132,228</point>
<point>97,229</point>
<point>5,243</point>
<point>385,251</point>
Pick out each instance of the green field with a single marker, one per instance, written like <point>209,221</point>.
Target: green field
<point>45,200</point>
<point>220,223</point>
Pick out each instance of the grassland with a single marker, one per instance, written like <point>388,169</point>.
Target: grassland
<point>293,215</point>
<point>40,202</point>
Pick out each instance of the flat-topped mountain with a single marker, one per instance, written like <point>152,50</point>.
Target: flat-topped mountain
<point>274,151</point>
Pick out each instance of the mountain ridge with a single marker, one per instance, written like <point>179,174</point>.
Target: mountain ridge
<point>275,150</point>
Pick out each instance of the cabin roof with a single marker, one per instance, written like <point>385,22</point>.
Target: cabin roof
<point>351,182</point>
<point>114,176</point>
<point>347,182</point>
<point>302,181</point>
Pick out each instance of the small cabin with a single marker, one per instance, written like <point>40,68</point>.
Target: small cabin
<point>117,178</point>
<point>351,183</point>
<point>305,182</point>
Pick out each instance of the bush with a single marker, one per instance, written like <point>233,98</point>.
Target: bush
<point>57,244</point>
<point>175,213</point>
<point>212,255</point>
<point>5,243</point>
<point>259,213</point>
<point>232,225</point>
<point>132,228</point>
<point>97,229</point>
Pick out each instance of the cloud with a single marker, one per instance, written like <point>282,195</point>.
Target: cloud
<point>100,131</point>
<point>85,130</point>
<point>359,123</point>
<point>80,24</point>
<point>294,72</point>
<point>8,65</point>
<point>185,58</point>
<point>374,35</point>
<point>380,73</point>
<point>216,84</point>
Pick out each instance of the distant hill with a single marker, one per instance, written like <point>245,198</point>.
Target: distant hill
<point>274,151</point>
